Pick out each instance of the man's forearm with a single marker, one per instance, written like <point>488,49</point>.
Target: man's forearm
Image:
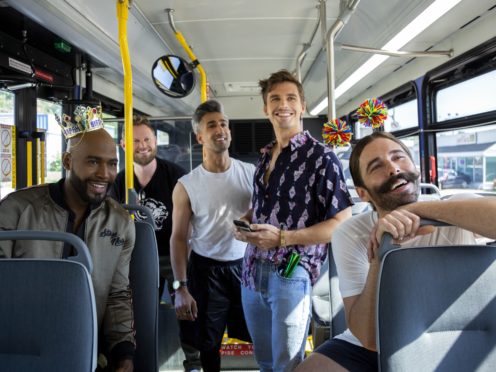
<point>361,317</point>
<point>319,233</point>
<point>476,215</point>
<point>179,258</point>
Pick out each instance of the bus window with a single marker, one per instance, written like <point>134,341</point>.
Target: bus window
<point>112,127</point>
<point>412,142</point>
<point>403,116</point>
<point>162,138</point>
<point>466,159</point>
<point>470,97</point>
<point>6,119</point>
<point>45,121</point>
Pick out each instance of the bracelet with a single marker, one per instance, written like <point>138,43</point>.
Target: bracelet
<point>282,238</point>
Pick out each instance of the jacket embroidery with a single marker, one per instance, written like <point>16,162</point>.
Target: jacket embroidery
<point>114,239</point>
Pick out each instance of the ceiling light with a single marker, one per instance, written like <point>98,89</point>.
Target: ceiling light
<point>432,13</point>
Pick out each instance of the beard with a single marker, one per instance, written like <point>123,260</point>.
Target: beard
<point>82,187</point>
<point>147,159</point>
<point>383,199</point>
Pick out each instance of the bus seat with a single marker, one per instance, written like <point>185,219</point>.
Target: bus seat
<point>436,308</point>
<point>144,281</point>
<point>47,310</point>
<point>338,319</point>
<point>328,318</point>
<point>320,306</point>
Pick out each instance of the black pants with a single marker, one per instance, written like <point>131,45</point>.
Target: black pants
<point>215,286</point>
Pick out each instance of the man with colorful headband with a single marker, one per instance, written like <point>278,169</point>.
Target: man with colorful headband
<point>385,175</point>
<point>79,204</point>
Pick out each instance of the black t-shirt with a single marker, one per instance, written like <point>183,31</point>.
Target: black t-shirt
<point>157,196</point>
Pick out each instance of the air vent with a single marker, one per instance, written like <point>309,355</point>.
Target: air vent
<point>240,87</point>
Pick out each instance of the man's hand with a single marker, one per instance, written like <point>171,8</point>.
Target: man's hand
<point>401,224</point>
<point>125,365</point>
<point>185,304</point>
<point>264,236</point>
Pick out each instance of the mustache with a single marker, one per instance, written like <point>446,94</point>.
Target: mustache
<point>407,176</point>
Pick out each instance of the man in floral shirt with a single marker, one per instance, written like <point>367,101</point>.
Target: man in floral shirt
<point>299,198</point>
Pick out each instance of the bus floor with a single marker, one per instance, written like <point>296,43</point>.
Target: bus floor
<point>236,355</point>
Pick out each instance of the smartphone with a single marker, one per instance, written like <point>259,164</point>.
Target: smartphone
<point>242,225</point>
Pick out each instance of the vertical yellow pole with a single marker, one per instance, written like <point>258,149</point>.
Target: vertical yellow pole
<point>122,16</point>
<point>42,161</point>
<point>29,163</point>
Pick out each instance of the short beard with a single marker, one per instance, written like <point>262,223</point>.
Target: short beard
<point>389,202</point>
<point>82,189</point>
<point>147,160</point>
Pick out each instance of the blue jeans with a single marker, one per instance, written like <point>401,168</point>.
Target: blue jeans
<point>277,314</point>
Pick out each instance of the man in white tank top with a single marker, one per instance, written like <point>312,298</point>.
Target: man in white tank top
<point>385,175</point>
<point>206,201</point>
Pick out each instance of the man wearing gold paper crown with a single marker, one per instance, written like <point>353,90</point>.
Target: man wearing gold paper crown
<point>79,204</point>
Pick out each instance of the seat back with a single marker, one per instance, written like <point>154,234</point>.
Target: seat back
<point>328,318</point>
<point>338,318</point>
<point>144,281</point>
<point>47,311</point>
<point>436,309</point>
<point>320,306</point>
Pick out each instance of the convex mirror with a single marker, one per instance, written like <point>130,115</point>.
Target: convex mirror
<point>173,76</point>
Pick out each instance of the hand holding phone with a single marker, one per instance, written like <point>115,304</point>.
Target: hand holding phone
<point>242,225</point>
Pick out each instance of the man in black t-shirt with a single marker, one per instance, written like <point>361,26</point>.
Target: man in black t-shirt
<point>154,181</point>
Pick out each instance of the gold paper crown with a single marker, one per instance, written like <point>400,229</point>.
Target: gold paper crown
<point>86,117</point>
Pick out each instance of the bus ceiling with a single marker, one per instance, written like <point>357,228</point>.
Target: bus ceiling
<point>239,45</point>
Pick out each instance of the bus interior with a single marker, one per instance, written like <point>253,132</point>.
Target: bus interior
<point>432,62</point>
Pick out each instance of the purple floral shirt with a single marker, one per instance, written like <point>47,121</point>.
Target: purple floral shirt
<point>306,187</point>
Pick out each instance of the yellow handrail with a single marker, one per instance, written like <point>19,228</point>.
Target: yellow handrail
<point>203,75</point>
<point>122,16</point>
<point>14,156</point>
<point>40,146</point>
<point>29,163</point>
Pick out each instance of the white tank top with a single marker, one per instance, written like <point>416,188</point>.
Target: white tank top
<point>216,200</point>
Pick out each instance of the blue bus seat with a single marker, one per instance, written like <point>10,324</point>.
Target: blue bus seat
<point>144,281</point>
<point>47,310</point>
<point>436,308</point>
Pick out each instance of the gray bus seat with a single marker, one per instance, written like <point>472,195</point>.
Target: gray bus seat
<point>328,318</point>
<point>47,309</point>
<point>144,281</point>
<point>436,308</point>
<point>145,213</point>
<point>320,306</point>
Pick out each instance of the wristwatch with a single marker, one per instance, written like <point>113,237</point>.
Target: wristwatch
<point>176,284</point>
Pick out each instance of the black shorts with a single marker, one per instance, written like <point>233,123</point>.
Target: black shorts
<point>352,357</point>
<point>216,288</point>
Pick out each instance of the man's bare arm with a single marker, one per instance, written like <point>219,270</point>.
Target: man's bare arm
<point>360,310</point>
<point>181,216</point>
<point>474,214</point>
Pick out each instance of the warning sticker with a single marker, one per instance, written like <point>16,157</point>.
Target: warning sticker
<point>21,66</point>
<point>5,139</point>
<point>6,168</point>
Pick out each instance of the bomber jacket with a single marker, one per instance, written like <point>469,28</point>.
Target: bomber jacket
<point>109,234</point>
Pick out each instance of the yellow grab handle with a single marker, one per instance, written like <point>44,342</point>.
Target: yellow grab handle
<point>122,16</point>
<point>203,75</point>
